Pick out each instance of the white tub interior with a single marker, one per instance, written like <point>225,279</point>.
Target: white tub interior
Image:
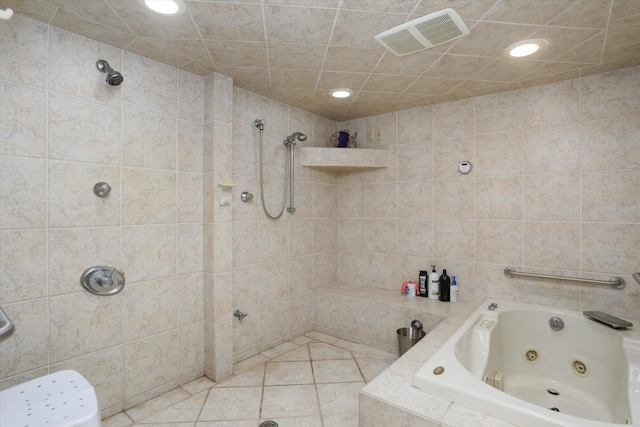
<point>587,371</point>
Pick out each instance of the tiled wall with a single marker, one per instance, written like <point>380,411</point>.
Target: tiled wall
<point>555,188</point>
<point>277,264</point>
<point>63,129</point>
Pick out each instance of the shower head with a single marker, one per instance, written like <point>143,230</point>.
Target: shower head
<point>114,78</point>
<point>297,135</point>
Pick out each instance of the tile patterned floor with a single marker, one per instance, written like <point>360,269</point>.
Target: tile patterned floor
<point>310,381</point>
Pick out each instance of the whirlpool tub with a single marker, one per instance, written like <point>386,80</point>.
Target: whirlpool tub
<point>511,364</point>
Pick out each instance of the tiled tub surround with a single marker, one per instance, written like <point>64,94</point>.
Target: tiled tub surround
<point>372,316</point>
<point>391,400</point>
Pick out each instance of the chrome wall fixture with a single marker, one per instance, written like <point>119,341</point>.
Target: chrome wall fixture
<point>102,280</point>
<point>114,78</point>
<point>246,197</point>
<point>614,282</point>
<point>102,189</point>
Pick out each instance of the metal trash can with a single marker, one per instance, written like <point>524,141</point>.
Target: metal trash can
<point>408,337</point>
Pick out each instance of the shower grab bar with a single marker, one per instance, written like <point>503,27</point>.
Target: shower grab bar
<point>614,282</point>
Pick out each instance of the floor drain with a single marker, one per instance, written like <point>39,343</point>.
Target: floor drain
<point>268,423</point>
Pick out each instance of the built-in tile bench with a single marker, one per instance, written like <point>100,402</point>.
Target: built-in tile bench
<point>371,316</point>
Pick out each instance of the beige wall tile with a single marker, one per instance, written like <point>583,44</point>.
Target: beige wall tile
<point>190,299</point>
<point>71,198</point>
<point>191,354</point>
<point>86,131</point>
<point>72,250</point>
<point>610,144</point>
<point>610,94</point>
<point>148,140</point>
<point>610,248</point>
<point>325,235</point>
<point>189,197</point>
<point>611,196</point>
<point>417,161</point>
<point>222,298</point>
<point>415,237</point>
<point>23,265</point>
<point>381,235</point>
<point>454,199</point>
<point>324,270</point>
<point>351,200</point>
<point>148,308</point>
<point>416,199</point>
<point>222,254</point>
<point>103,370</point>
<point>26,349</point>
<point>190,97</point>
<point>501,112</point>
<point>381,271</point>
<point>244,244</point>
<point>24,121</point>
<point>274,240</point>
<point>552,245</point>
<point>299,232</point>
<point>24,52</point>
<point>557,103</point>
<point>273,281</point>
<point>152,86</point>
<point>499,197</point>
<point>499,241</point>
<point>150,363</point>
<point>148,196</point>
<point>499,154</point>
<point>552,197</point>
<point>73,320</point>
<point>190,147</point>
<point>245,285</point>
<point>454,239</point>
<point>453,119</point>
<point>381,200</point>
<point>149,252</point>
<point>23,202</point>
<point>414,125</point>
<point>552,149</point>
<point>449,153</point>
<point>300,275</point>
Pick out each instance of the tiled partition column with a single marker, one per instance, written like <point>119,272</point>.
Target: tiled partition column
<point>555,188</point>
<point>277,263</point>
<point>217,226</point>
<point>63,129</point>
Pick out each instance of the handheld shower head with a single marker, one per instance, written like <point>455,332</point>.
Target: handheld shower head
<point>297,135</point>
<point>114,78</point>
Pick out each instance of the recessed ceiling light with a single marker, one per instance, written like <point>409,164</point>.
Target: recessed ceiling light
<point>342,92</point>
<point>524,48</point>
<point>165,7</point>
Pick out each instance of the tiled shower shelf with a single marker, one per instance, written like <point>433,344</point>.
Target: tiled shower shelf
<point>343,159</point>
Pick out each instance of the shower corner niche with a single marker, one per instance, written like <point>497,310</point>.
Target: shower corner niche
<point>334,159</point>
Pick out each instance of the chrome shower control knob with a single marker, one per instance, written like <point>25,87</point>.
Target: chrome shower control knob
<point>102,189</point>
<point>245,196</point>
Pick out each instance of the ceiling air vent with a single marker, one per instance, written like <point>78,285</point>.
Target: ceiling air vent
<point>423,33</point>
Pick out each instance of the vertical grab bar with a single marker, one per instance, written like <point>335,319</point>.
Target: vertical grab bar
<point>291,208</point>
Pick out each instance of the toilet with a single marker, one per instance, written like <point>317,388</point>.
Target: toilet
<point>61,399</point>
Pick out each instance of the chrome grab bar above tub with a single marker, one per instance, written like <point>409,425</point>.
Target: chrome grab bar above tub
<point>614,282</point>
<point>6,326</point>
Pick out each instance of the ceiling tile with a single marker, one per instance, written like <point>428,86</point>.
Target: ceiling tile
<point>561,40</point>
<point>356,28</point>
<point>495,89</point>
<point>623,9</point>
<point>491,38</point>
<point>387,83</point>
<point>238,54</point>
<point>35,9</point>
<point>506,69</point>
<point>457,66</point>
<point>586,14</point>
<point>467,9</point>
<point>336,79</point>
<point>433,86</point>
<point>294,79</point>
<point>587,52</point>
<point>145,23</point>
<point>314,3</point>
<point>528,12</point>
<point>351,59</point>
<point>296,56</point>
<point>622,53</point>
<point>551,78</point>
<point>91,29</point>
<point>96,11</point>
<point>299,24</point>
<point>408,65</point>
<point>228,21</point>
<point>154,49</point>
<point>253,79</point>
<point>393,6</point>
<point>623,32</point>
